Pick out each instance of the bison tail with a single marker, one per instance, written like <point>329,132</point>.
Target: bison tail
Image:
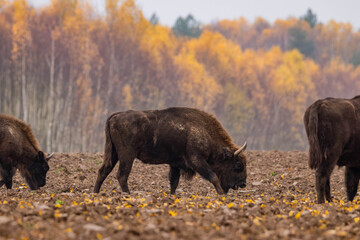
<point>110,154</point>
<point>315,154</point>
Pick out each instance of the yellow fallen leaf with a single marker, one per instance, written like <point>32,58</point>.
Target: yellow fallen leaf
<point>340,234</point>
<point>57,214</point>
<point>298,215</point>
<point>172,213</point>
<point>230,205</point>
<point>256,221</point>
<point>356,219</point>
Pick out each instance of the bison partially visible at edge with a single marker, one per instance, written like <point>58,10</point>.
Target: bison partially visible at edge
<point>187,139</point>
<point>19,149</point>
<point>333,129</point>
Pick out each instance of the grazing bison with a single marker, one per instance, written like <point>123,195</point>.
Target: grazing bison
<point>19,149</point>
<point>333,129</point>
<point>187,139</point>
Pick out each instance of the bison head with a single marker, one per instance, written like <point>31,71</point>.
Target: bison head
<point>35,173</point>
<point>232,170</point>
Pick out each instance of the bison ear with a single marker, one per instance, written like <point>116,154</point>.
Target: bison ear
<point>227,153</point>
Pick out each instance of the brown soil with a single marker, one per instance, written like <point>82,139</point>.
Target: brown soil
<point>279,202</point>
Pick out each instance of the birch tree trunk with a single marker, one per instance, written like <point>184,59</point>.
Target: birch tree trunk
<point>50,105</point>
<point>23,88</point>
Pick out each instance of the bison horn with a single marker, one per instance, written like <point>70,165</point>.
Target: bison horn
<point>50,156</point>
<point>237,152</point>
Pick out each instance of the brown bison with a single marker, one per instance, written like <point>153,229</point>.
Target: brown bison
<point>333,129</point>
<point>19,149</point>
<point>187,139</point>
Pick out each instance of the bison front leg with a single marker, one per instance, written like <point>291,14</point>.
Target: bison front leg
<point>351,182</point>
<point>174,177</point>
<point>203,168</point>
<point>7,175</point>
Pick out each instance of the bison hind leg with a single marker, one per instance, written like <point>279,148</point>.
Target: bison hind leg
<point>188,174</point>
<point>351,182</point>
<point>126,163</point>
<point>108,165</point>
<point>323,183</point>
<point>327,191</point>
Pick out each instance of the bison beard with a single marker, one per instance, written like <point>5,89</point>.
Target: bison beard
<point>187,139</point>
<point>333,130</point>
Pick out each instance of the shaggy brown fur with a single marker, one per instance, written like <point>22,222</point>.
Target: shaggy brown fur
<point>333,129</point>
<point>210,123</point>
<point>187,139</point>
<point>19,149</point>
<point>25,128</point>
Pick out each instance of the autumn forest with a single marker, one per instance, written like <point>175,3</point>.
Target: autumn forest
<point>65,68</point>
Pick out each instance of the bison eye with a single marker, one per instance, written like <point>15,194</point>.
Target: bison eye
<point>46,168</point>
<point>239,166</point>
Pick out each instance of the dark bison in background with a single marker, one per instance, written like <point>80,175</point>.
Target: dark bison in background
<point>333,129</point>
<point>19,149</point>
<point>187,139</point>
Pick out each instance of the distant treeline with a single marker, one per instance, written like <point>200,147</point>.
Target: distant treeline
<point>64,69</point>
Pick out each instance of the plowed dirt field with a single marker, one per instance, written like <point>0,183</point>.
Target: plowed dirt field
<point>278,203</point>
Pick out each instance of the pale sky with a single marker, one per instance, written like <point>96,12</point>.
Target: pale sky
<point>207,11</point>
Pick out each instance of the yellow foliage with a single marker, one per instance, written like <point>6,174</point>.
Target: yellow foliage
<point>157,42</point>
<point>126,20</point>
<point>197,86</point>
<point>20,27</point>
<point>127,95</point>
<point>292,83</point>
